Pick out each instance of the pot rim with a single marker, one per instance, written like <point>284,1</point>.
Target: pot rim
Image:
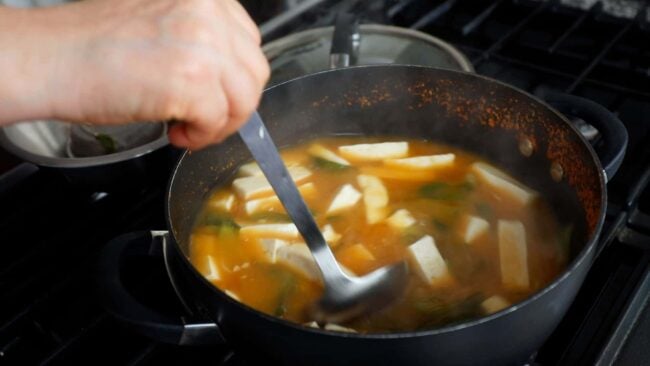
<point>576,262</point>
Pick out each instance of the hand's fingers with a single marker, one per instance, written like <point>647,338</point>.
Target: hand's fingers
<point>242,91</point>
<point>253,59</point>
<point>196,134</point>
<point>178,136</point>
<point>241,16</point>
<point>208,115</point>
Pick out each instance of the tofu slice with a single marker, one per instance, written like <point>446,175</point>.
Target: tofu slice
<point>375,152</point>
<point>311,324</point>
<point>400,220</point>
<point>375,198</point>
<point>338,328</point>
<point>276,231</point>
<point>299,257</point>
<point>322,152</point>
<point>252,207</point>
<point>331,236</point>
<point>213,273</point>
<point>427,261</point>
<point>513,255</point>
<point>270,248</point>
<point>250,169</point>
<point>346,198</point>
<point>257,186</point>
<point>493,304</point>
<point>232,294</point>
<point>502,184</point>
<point>472,228</point>
<point>224,203</point>
<point>428,162</point>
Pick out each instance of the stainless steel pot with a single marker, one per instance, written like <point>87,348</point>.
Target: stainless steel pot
<point>103,158</point>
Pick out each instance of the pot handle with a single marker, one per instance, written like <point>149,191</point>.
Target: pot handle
<point>611,128</point>
<point>119,302</point>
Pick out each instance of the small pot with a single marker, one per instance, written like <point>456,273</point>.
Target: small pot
<point>533,141</point>
<point>104,158</point>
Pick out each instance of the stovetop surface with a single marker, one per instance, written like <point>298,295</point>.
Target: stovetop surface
<point>53,231</point>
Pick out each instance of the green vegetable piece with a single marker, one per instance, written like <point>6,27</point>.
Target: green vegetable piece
<point>445,191</point>
<point>334,218</point>
<point>220,221</point>
<point>412,233</point>
<point>107,142</point>
<point>440,312</point>
<point>484,210</point>
<point>287,286</point>
<point>431,305</point>
<point>328,165</point>
<point>440,225</point>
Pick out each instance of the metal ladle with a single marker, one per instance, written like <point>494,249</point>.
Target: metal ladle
<point>345,296</point>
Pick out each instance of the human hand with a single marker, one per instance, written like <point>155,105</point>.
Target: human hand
<point>116,61</point>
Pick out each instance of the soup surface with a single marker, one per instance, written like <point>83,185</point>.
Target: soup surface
<point>476,240</point>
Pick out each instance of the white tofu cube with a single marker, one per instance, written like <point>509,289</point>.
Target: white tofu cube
<point>257,186</point>
<point>427,261</point>
<point>472,228</point>
<point>502,184</point>
<point>375,198</point>
<point>232,294</point>
<point>428,162</point>
<point>322,152</point>
<point>213,273</point>
<point>330,236</point>
<point>277,231</point>
<point>223,203</point>
<point>513,255</point>
<point>400,219</point>
<point>338,328</point>
<point>344,199</point>
<point>250,169</point>
<point>299,257</point>
<point>375,152</point>
<point>270,248</point>
<point>493,304</point>
<point>262,204</point>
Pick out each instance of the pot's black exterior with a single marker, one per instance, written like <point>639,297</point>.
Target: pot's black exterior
<point>508,338</point>
<point>461,109</point>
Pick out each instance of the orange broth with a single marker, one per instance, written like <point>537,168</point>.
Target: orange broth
<point>438,199</point>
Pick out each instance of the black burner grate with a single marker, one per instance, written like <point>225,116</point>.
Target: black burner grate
<point>52,231</point>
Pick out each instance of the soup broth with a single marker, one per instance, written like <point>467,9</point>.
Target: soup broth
<point>475,239</point>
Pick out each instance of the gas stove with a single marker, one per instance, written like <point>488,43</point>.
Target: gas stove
<point>53,231</point>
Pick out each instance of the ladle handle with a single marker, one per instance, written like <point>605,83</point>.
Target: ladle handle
<point>259,142</point>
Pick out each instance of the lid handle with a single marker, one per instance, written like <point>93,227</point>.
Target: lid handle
<point>346,41</point>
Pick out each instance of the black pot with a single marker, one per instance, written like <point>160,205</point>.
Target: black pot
<point>475,113</point>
